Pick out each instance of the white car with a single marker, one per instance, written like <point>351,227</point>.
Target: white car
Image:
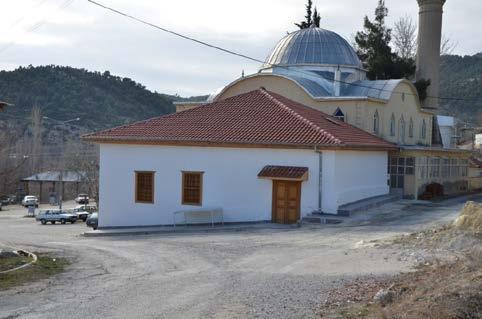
<point>82,199</point>
<point>30,200</point>
<point>83,211</point>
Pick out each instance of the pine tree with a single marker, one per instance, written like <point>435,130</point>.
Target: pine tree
<point>316,18</point>
<point>373,44</point>
<point>374,49</point>
<point>307,23</point>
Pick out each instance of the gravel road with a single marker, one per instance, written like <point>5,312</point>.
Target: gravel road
<point>258,273</point>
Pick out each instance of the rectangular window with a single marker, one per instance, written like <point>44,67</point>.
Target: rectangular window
<point>144,187</point>
<point>192,184</point>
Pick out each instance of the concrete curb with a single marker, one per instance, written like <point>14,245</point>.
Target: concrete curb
<point>140,231</point>
<point>26,253</point>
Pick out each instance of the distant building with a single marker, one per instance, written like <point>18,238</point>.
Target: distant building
<point>46,185</point>
<point>478,141</point>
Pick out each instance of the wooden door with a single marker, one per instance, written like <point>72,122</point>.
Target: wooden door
<point>286,202</point>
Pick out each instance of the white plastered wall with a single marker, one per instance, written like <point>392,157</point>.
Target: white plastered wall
<point>230,181</point>
<point>349,176</point>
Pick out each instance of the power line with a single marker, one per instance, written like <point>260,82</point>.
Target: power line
<point>255,59</point>
<point>36,25</point>
<point>23,17</point>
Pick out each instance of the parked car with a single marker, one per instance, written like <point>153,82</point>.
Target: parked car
<point>13,199</point>
<point>30,200</point>
<point>5,200</point>
<point>55,215</point>
<point>87,208</point>
<point>83,211</point>
<point>0,206</point>
<point>82,199</point>
<point>93,220</point>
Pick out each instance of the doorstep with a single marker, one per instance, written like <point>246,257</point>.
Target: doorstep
<point>146,230</point>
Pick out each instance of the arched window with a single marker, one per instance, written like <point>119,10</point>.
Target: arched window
<point>410,128</point>
<point>376,122</point>
<point>401,134</point>
<point>339,115</point>
<point>423,130</point>
<point>392,125</point>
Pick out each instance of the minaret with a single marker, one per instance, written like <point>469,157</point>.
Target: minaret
<point>428,53</point>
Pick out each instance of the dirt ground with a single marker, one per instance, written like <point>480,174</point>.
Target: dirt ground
<point>258,273</point>
<point>446,283</point>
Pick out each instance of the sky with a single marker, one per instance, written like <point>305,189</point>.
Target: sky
<point>78,34</point>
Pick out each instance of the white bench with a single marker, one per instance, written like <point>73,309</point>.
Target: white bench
<point>210,212</point>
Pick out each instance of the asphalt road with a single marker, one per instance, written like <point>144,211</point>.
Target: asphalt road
<point>259,273</point>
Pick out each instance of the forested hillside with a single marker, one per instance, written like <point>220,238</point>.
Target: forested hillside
<point>103,100</point>
<point>100,100</point>
<point>461,77</point>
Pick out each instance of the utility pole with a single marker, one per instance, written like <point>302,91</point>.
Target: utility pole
<point>61,180</point>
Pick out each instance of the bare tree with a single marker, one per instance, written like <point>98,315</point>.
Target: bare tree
<point>36,149</point>
<point>83,159</point>
<point>405,37</point>
<point>14,144</point>
<point>447,45</point>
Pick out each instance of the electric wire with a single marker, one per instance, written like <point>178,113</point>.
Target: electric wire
<point>36,25</point>
<point>129,16</point>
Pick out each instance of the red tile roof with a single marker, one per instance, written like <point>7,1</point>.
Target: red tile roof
<point>289,172</point>
<point>255,118</point>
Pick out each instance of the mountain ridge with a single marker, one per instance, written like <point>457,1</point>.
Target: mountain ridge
<point>100,100</point>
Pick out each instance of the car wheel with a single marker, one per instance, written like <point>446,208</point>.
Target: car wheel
<point>95,228</point>
<point>62,221</point>
<point>53,222</point>
<point>36,206</point>
<point>73,221</point>
<point>84,219</point>
<point>43,221</point>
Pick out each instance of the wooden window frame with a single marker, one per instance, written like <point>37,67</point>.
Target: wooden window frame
<point>136,187</point>
<point>201,174</point>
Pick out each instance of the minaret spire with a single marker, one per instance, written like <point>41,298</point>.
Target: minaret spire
<point>428,53</point>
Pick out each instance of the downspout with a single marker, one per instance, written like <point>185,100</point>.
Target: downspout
<point>320,175</point>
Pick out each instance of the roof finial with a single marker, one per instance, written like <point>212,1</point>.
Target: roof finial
<point>313,25</point>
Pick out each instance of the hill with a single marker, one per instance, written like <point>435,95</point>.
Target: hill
<point>100,100</point>
<point>461,77</point>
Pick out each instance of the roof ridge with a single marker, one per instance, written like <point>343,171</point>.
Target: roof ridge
<point>299,116</point>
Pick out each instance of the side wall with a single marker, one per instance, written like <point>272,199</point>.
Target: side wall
<point>349,176</point>
<point>230,181</point>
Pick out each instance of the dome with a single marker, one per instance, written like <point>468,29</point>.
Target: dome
<point>313,46</point>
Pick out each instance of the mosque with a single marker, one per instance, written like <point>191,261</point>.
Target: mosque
<point>307,133</point>
<point>320,69</point>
